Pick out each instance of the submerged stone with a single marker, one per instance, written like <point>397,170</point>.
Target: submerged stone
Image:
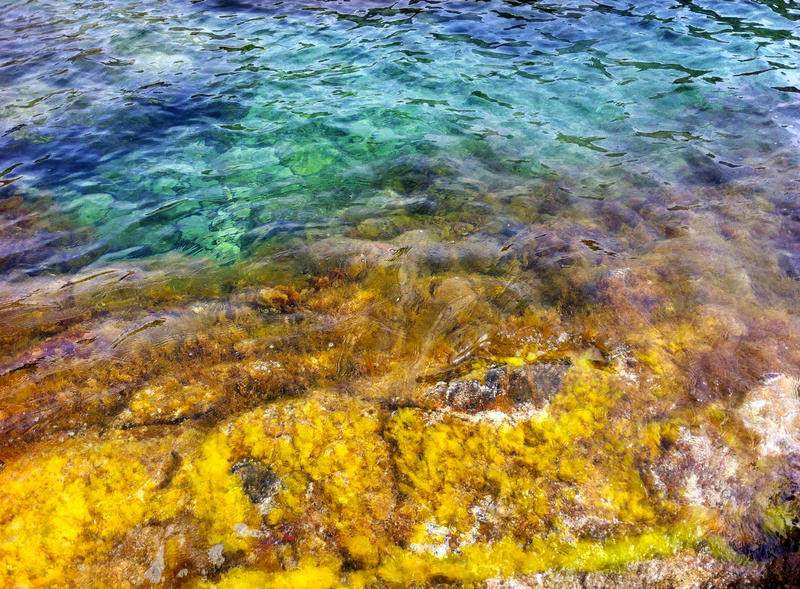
<point>374,228</point>
<point>279,299</point>
<point>259,482</point>
<point>419,205</point>
<point>226,252</point>
<point>532,384</point>
<point>790,263</point>
<point>536,383</point>
<point>308,161</point>
<point>168,402</point>
<point>91,208</point>
<point>772,411</point>
<point>196,228</point>
<point>466,395</point>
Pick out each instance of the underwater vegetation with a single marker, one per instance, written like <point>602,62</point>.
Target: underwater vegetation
<point>454,402</point>
<point>342,294</point>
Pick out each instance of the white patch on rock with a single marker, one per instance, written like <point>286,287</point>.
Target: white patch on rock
<point>215,555</point>
<point>439,545</point>
<point>243,531</point>
<point>773,412</point>
<point>153,574</point>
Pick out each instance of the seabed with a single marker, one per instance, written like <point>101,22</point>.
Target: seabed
<point>371,351</point>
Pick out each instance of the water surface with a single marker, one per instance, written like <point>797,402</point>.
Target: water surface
<point>207,127</point>
<point>381,294</point>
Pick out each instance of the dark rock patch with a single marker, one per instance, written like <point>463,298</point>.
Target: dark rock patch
<point>470,395</point>
<point>259,482</point>
<point>533,384</point>
<point>536,383</point>
<point>790,264</point>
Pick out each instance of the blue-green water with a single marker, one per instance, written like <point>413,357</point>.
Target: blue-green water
<point>214,127</point>
<point>400,294</point>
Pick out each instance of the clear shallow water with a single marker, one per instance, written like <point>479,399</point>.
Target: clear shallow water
<point>321,294</point>
<point>209,127</point>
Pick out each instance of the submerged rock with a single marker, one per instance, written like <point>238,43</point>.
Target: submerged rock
<point>544,247</point>
<point>772,411</point>
<point>471,395</point>
<point>353,257</point>
<point>92,208</point>
<point>310,160</point>
<point>375,227</point>
<point>259,482</point>
<point>533,384</point>
<point>790,264</point>
<point>536,383</point>
<point>279,299</point>
<point>749,488</point>
<point>168,402</point>
<point>419,205</point>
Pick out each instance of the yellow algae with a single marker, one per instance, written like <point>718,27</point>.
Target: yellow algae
<point>168,401</point>
<point>307,576</point>
<point>478,562</point>
<point>520,475</point>
<point>206,488</point>
<point>405,497</point>
<point>73,502</point>
<point>63,506</point>
<point>367,492</point>
<point>334,456</point>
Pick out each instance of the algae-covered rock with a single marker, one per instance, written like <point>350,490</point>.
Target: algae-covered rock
<point>73,502</point>
<point>374,227</point>
<point>227,252</point>
<point>307,161</point>
<point>772,412</point>
<point>168,402</point>
<point>744,485</point>
<point>350,256</point>
<point>289,493</point>
<point>406,412</point>
<point>92,208</point>
<point>196,228</point>
<point>279,299</point>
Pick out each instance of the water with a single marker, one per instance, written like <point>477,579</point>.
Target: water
<point>397,293</point>
<point>202,127</point>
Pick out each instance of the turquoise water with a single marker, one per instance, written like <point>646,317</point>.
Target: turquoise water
<point>214,128</point>
<point>398,294</point>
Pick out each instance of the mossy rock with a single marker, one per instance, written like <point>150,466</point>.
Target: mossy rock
<point>309,160</point>
<point>92,208</point>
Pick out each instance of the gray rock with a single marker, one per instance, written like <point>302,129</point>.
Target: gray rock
<point>259,482</point>
<point>536,383</point>
<point>471,395</point>
<point>790,264</point>
<point>463,395</point>
<point>533,383</point>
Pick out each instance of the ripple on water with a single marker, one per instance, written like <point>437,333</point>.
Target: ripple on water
<point>420,293</point>
<point>240,109</point>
